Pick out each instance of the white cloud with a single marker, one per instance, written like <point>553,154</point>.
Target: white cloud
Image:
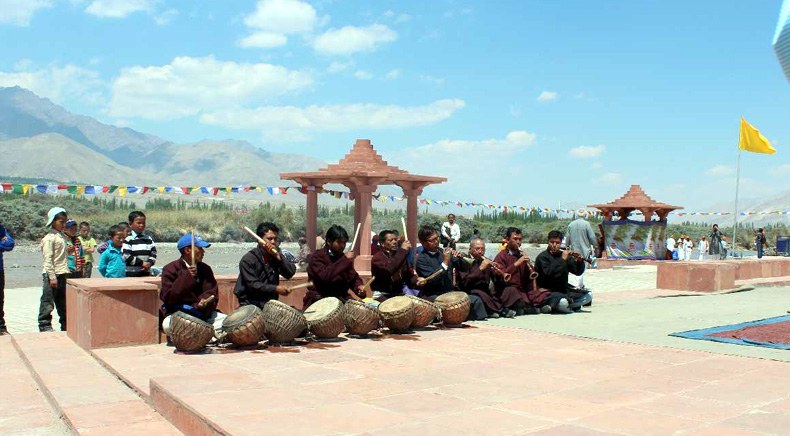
<point>273,20</point>
<point>336,67</point>
<point>118,8</point>
<point>350,39</point>
<point>58,83</point>
<point>610,179</point>
<point>586,152</point>
<point>20,12</point>
<point>291,122</point>
<point>548,96</point>
<point>449,156</point>
<point>780,170</point>
<point>720,171</point>
<point>187,86</point>
<point>165,17</point>
<point>431,79</point>
<point>394,74</point>
<point>363,75</point>
<point>263,40</point>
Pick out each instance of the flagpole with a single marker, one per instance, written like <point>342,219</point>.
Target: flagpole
<point>737,185</point>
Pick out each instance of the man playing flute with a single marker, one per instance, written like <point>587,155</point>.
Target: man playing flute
<point>553,267</point>
<point>479,281</point>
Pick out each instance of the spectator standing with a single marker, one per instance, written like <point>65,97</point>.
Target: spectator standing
<point>88,247</point>
<point>703,248</point>
<point>451,232</point>
<point>139,250</point>
<point>716,245</point>
<point>6,244</point>
<point>54,272</point>
<point>581,239</point>
<point>760,242</point>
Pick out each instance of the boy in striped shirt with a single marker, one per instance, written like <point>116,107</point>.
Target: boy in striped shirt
<point>139,251</point>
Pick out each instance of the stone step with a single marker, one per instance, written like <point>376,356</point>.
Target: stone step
<point>24,409</point>
<point>91,399</point>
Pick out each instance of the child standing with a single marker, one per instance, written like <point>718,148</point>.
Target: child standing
<point>88,247</point>
<point>139,250</point>
<point>106,244</point>
<point>6,244</point>
<point>55,271</point>
<point>111,263</point>
<point>76,257</point>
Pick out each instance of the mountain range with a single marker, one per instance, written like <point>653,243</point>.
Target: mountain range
<point>40,139</point>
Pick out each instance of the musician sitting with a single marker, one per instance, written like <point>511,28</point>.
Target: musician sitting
<point>391,269</point>
<point>553,267</point>
<point>433,260</point>
<point>478,281</point>
<point>332,272</point>
<point>516,263</point>
<point>260,269</point>
<point>190,287</point>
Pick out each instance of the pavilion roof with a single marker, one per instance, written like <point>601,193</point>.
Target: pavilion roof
<point>635,198</point>
<point>361,161</point>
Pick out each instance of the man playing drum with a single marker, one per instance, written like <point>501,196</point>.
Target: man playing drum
<point>433,260</point>
<point>391,269</point>
<point>190,287</point>
<point>332,272</point>
<point>260,269</point>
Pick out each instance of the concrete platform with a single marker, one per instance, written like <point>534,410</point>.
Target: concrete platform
<point>91,400</point>
<point>713,276</point>
<point>476,380</point>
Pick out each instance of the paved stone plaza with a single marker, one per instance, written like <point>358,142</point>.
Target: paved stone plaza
<point>609,370</point>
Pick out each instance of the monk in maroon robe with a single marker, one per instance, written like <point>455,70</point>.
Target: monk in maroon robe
<point>391,269</point>
<point>478,281</point>
<point>516,263</point>
<point>332,272</point>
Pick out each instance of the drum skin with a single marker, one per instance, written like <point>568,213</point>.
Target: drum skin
<point>325,318</point>
<point>455,307</point>
<point>397,313</point>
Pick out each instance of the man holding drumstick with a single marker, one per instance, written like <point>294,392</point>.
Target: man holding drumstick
<point>260,269</point>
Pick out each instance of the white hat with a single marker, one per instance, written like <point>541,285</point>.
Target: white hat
<point>53,213</point>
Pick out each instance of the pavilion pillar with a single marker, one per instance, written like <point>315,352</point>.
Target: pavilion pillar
<point>312,217</point>
<point>364,203</point>
<point>648,213</point>
<point>412,195</point>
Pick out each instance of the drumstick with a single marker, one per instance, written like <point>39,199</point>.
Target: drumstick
<point>354,241</point>
<point>205,301</point>
<point>405,231</point>
<point>193,248</point>
<point>303,285</point>
<point>367,285</point>
<point>434,275</point>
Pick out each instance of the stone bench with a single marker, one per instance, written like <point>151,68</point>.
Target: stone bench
<point>711,276</point>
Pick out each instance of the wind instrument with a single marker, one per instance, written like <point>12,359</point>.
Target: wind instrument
<point>269,247</point>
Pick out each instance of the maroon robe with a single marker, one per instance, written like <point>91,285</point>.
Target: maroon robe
<point>391,273</point>
<point>477,282</point>
<point>332,276</point>
<point>520,279</point>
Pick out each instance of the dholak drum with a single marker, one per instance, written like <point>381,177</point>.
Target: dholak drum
<point>325,318</point>
<point>455,307</point>
<point>189,333</point>
<point>424,312</point>
<point>244,327</point>
<point>361,318</point>
<point>397,313</point>
<point>282,323</point>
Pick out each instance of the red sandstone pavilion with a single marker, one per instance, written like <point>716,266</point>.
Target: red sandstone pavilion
<point>635,199</point>
<point>362,170</point>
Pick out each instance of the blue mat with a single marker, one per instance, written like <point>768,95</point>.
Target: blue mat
<point>704,334</point>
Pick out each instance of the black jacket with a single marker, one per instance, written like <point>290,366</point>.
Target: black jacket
<point>258,279</point>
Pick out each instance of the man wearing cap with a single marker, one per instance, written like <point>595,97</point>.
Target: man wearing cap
<point>55,271</point>
<point>190,287</point>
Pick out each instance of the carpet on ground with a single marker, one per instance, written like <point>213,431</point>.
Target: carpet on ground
<point>770,333</point>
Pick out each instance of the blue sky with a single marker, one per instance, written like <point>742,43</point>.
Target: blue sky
<point>516,102</point>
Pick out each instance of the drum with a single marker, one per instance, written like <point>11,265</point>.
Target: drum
<point>325,318</point>
<point>189,333</point>
<point>361,318</point>
<point>424,312</point>
<point>244,327</point>
<point>282,323</point>
<point>455,307</point>
<point>397,313</point>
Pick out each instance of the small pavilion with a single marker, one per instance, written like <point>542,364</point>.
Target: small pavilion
<point>635,199</point>
<point>362,170</point>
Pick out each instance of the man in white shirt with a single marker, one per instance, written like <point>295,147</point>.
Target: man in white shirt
<point>450,232</point>
<point>670,247</point>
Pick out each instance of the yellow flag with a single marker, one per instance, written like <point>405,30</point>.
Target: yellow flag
<point>754,141</point>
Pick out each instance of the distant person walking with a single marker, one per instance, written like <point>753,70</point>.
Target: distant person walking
<point>670,247</point>
<point>451,232</point>
<point>716,248</point>
<point>703,248</point>
<point>6,244</point>
<point>760,242</point>
<point>689,247</point>
<point>581,239</point>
